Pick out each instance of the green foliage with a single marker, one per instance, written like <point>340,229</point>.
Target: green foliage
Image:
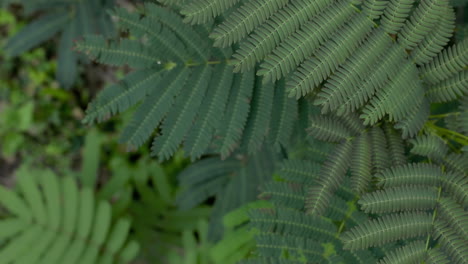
<point>72,224</point>
<point>72,19</point>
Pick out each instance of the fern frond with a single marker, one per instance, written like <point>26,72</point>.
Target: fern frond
<point>361,163</point>
<point>351,73</point>
<point>387,229</point>
<point>243,20</point>
<point>333,172</point>
<point>130,52</point>
<point>329,56</point>
<point>285,113</point>
<point>178,122</point>
<point>397,199</point>
<point>374,8</point>
<point>154,108</point>
<point>291,222</point>
<point>451,242</point>
<point>274,245</point>
<point>449,89</point>
<point>429,145</point>
<point>380,156</point>
<point>300,171</point>
<point>410,174</point>
<point>414,252</point>
<point>202,11</point>
<point>457,162</point>
<point>288,195</point>
<point>421,22</point>
<point>204,178</point>
<point>395,15</point>
<point>186,33</point>
<point>237,112</point>
<point>457,186</point>
<point>437,38</point>
<point>455,215</point>
<point>258,124</point>
<point>436,256</point>
<point>116,98</point>
<point>447,63</point>
<point>353,123</point>
<point>398,99</point>
<point>328,128</point>
<point>373,81</point>
<point>415,120</point>
<point>302,43</point>
<point>158,36</point>
<point>463,118</point>
<point>209,118</point>
<point>395,145</point>
<point>339,209</point>
<point>268,35</point>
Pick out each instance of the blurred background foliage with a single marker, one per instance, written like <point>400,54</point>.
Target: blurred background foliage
<point>40,128</point>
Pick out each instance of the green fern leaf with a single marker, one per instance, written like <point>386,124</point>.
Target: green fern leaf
<point>201,136</point>
<point>327,128</point>
<point>415,120</point>
<point>351,73</point>
<point>455,215</point>
<point>361,166</point>
<point>449,89</point>
<point>387,229</point>
<point>421,22</point>
<point>414,252</point>
<point>237,112</point>
<point>258,124</point>
<point>447,63</point>
<point>243,20</point>
<point>268,35</point>
<point>457,162</point>
<point>158,36</point>
<point>410,174</point>
<point>202,11</point>
<point>292,222</point>
<point>429,145</point>
<point>380,155</point>
<point>451,242</point>
<point>374,8</point>
<point>300,171</point>
<point>115,99</point>
<point>285,113</point>
<point>437,38</point>
<point>395,146</point>
<point>398,99</point>
<point>127,51</point>
<point>178,122</point>
<point>327,58</point>
<point>334,169</point>
<point>301,44</point>
<point>186,33</point>
<point>395,15</point>
<point>436,256</point>
<point>274,245</point>
<point>373,81</point>
<point>399,199</point>
<point>288,195</point>
<point>153,109</point>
